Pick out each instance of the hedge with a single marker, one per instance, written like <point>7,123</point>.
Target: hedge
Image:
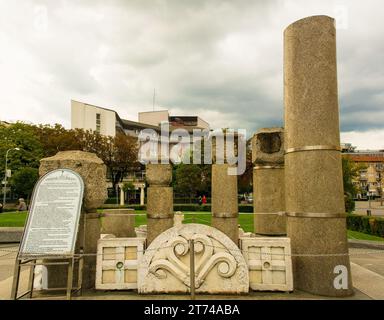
<point>370,225</point>
<point>180,207</point>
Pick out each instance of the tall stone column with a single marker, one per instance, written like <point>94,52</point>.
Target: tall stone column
<point>268,182</point>
<point>316,220</point>
<point>93,171</point>
<point>159,200</point>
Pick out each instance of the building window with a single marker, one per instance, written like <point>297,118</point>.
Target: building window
<point>98,122</point>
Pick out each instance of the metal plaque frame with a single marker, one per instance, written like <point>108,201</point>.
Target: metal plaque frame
<point>70,258</point>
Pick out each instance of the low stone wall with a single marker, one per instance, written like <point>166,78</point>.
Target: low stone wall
<point>11,234</point>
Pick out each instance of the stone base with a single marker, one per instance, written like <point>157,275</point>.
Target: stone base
<point>229,226</point>
<point>119,222</point>
<point>316,275</point>
<point>156,227</point>
<point>271,224</point>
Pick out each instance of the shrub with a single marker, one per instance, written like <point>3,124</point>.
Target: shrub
<point>365,224</point>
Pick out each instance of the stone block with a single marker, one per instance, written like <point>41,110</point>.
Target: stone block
<point>160,202</point>
<point>117,263</point>
<point>157,226</point>
<point>159,174</point>
<point>224,192</point>
<point>219,264</point>
<point>269,263</point>
<point>268,146</point>
<point>119,222</point>
<point>91,169</point>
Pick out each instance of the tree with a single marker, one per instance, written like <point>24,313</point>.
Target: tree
<point>22,136</point>
<point>24,180</point>
<point>189,179</point>
<point>56,138</point>
<point>351,172</point>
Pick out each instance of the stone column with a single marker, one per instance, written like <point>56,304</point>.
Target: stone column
<point>224,200</point>
<point>142,196</point>
<point>225,211</point>
<point>268,182</point>
<point>316,221</point>
<point>93,171</point>
<point>159,200</point>
<point>122,195</point>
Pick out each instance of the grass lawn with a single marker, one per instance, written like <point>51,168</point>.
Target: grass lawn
<point>362,236</point>
<point>18,219</point>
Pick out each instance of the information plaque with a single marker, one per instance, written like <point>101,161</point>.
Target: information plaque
<point>54,215</point>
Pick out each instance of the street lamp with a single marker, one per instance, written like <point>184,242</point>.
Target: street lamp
<point>6,175</point>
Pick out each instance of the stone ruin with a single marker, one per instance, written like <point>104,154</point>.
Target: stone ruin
<point>300,226</point>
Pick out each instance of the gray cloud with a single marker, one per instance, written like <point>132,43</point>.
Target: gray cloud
<point>220,59</point>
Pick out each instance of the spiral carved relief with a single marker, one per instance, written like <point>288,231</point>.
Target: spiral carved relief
<point>219,264</point>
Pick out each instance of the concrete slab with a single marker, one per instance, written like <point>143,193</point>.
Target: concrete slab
<point>368,282</point>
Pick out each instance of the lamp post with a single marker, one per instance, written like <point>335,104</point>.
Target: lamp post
<point>6,175</point>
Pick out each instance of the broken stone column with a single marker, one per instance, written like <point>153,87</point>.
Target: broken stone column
<point>159,200</point>
<point>268,182</point>
<point>93,171</point>
<point>224,206</point>
<point>316,220</point>
<point>225,210</point>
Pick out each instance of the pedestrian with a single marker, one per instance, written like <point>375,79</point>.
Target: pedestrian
<point>204,200</point>
<point>200,200</point>
<point>1,208</point>
<point>22,205</point>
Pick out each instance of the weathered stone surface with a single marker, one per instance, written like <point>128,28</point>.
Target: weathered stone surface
<point>92,229</point>
<point>141,231</point>
<point>225,210</point>
<point>269,262</point>
<point>157,226</point>
<point>313,179</point>
<point>119,222</point>
<point>268,146</point>
<point>219,268</point>
<point>8,235</point>
<point>228,226</point>
<point>117,261</point>
<point>160,202</point>
<point>224,192</point>
<point>269,201</point>
<point>89,166</point>
<point>178,218</point>
<point>323,237</point>
<point>159,174</point>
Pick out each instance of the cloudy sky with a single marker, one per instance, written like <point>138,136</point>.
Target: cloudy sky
<point>221,60</point>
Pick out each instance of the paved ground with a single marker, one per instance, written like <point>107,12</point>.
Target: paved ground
<point>376,208</point>
<point>367,277</point>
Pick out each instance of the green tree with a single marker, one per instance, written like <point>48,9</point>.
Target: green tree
<point>24,180</point>
<point>351,172</point>
<point>188,179</point>
<point>23,136</point>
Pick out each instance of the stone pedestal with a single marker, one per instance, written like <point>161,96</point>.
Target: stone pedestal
<point>225,210</point>
<point>119,222</point>
<point>313,174</point>
<point>93,172</point>
<point>268,182</point>
<point>159,200</point>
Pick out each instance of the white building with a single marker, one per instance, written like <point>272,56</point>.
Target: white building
<point>108,122</point>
